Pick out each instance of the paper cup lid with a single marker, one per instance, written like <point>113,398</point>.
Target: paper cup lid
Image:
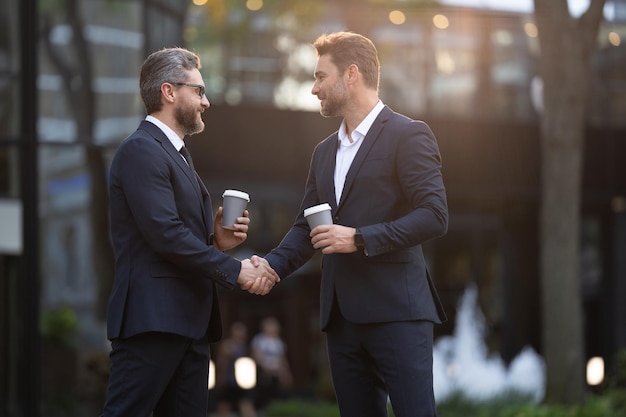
<point>316,209</point>
<point>235,193</point>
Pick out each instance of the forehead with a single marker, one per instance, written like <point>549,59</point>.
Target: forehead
<point>194,76</point>
<point>325,65</point>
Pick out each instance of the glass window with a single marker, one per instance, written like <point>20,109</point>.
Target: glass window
<point>84,112</point>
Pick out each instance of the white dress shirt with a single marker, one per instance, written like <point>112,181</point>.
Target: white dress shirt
<point>171,135</point>
<point>347,150</point>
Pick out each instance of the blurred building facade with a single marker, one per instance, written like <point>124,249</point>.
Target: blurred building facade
<point>469,73</point>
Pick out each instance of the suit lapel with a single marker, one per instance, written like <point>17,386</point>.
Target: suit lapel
<point>327,172</point>
<point>179,161</point>
<point>174,154</point>
<point>190,173</point>
<point>368,141</point>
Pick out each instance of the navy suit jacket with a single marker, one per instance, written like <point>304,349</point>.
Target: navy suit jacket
<point>161,222</point>
<point>394,194</point>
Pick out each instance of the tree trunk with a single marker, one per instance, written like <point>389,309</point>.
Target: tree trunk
<point>82,102</point>
<point>565,63</point>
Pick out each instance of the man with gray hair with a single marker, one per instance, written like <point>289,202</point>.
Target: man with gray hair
<point>163,309</point>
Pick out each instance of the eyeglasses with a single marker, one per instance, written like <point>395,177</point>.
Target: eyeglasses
<point>200,88</point>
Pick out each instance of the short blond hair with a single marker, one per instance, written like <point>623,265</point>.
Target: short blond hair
<point>347,48</point>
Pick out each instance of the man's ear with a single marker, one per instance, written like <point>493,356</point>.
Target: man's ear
<point>352,73</point>
<point>167,91</point>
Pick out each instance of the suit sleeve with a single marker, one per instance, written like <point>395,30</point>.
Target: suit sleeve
<point>163,206</point>
<point>418,171</point>
<point>296,249</point>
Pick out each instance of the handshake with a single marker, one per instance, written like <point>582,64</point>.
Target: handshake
<point>257,276</point>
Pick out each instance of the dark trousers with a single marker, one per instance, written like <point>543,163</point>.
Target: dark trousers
<point>159,373</point>
<point>370,362</point>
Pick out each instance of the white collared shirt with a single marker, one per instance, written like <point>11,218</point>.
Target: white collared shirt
<point>171,135</point>
<point>346,150</point>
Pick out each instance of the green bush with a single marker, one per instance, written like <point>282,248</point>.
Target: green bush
<point>512,405</point>
<point>59,326</point>
<point>612,403</point>
<point>506,405</point>
<point>301,408</point>
<point>615,385</point>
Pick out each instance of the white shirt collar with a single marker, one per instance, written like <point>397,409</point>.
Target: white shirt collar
<point>363,127</point>
<point>171,135</point>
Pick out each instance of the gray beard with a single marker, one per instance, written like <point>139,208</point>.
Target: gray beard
<point>188,122</point>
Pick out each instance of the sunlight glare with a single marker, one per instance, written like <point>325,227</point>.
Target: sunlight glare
<point>595,371</point>
<point>211,382</point>
<point>445,62</point>
<point>440,21</point>
<point>397,17</point>
<point>254,5</point>
<point>245,372</point>
<point>296,95</point>
<point>531,30</point>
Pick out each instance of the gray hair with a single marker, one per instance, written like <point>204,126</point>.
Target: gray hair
<point>168,65</point>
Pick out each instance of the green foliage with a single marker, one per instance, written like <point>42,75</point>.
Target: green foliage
<point>301,408</point>
<point>616,386</point>
<point>512,405</point>
<point>59,326</point>
<point>506,405</point>
<point>230,20</point>
<point>618,380</point>
<point>48,6</point>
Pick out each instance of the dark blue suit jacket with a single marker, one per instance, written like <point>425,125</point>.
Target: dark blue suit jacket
<point>394,194</point>
<point>161,222</point>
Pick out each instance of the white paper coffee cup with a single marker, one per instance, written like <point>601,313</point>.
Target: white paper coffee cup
<point>234,203</point>
<point>318,215</point>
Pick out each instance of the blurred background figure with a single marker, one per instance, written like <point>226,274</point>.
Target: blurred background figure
<point>273,372</point>
<point>232,399</point>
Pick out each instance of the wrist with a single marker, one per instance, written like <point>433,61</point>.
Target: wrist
<point>213,241</point>
<point>358,240</point>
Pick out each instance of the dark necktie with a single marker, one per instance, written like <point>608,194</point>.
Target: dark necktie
<point>187,156</point>
<point>184,152</point>
<point>200,187</point>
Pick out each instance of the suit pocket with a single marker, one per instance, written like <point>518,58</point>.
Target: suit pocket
<point>395,257</point>
<point>378,165</point>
